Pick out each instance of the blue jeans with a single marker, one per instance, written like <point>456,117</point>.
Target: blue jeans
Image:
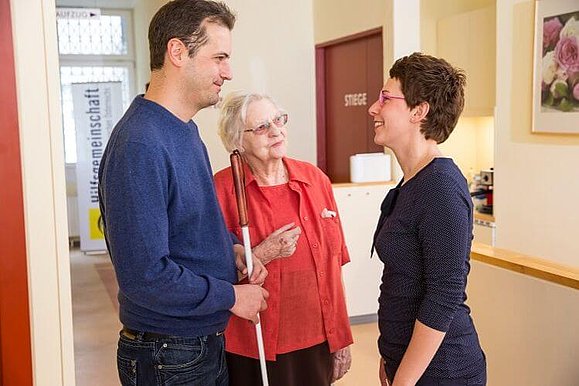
<point>195,361</point>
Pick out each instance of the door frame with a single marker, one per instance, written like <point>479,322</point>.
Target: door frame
<point>43,191</point>
<point>320,58</point>
<point>15,340</point>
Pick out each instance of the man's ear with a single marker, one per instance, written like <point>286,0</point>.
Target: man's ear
<point>176,52</point>
<point>419,112</point>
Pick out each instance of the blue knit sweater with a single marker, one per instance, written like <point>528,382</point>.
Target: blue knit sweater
<point>424,240</point>
<point>164,229</point>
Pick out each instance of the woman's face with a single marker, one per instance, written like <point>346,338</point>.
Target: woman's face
<point>271,143</point>
<point>391,114</point>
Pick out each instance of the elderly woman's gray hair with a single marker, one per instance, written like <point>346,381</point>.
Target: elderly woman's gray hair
<point>232,119</point>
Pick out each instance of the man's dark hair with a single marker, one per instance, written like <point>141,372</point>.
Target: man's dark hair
<point>183,20</point>
<point>424,78</point>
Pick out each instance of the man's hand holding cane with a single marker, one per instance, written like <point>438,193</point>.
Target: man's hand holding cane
<point>249,300</point>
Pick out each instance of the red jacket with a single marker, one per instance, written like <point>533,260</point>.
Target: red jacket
<point>322,241</point>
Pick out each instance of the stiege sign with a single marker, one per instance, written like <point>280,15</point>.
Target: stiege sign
<point>97,108</point>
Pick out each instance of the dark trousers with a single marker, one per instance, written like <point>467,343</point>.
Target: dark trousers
<point>308,367</point>
<point>168,361</point>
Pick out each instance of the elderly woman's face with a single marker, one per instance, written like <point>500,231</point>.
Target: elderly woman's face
<point>268,144</point>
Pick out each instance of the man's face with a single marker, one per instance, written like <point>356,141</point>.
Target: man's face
<point>209,68</point>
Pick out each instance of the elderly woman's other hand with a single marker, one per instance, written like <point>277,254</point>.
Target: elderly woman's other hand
<point>280,243</point>
<point>341,362</point>
<point>259,271</point>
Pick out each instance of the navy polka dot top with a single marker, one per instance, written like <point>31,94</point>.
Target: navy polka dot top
<point>423,238</point>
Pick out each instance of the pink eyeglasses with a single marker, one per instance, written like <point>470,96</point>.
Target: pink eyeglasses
<point>384,96</point>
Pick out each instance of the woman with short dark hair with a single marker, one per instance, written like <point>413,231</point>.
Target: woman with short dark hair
<point>423,237</point>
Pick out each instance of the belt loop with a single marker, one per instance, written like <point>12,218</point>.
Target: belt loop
<point>140,336</point>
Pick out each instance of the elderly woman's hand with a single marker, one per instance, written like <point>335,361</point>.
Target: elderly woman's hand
<point>341,362</point>
<point>280,243</point>
<point>259,271</point>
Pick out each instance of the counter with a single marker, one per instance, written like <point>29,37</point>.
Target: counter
<point>363,184</point>
<point>484,217</point>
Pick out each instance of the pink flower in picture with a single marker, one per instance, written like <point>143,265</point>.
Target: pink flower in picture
<point>560,63</point>
<point>551,29</point>
<point>567,54</point>
<point>576,92</point>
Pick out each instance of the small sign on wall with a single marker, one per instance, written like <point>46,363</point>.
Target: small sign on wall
<point>78,13</point>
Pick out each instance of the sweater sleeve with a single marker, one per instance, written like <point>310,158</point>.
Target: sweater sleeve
<point>134,191</point>
<point>444,235</point>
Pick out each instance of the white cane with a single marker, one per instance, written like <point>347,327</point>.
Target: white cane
<point>239,182</point>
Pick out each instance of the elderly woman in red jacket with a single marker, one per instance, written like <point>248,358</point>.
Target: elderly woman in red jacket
<point>295,228</point>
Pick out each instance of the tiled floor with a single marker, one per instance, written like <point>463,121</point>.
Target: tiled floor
<point>95,322</point>
<point>96,327</point>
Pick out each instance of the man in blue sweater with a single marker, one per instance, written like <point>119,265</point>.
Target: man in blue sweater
<point>173,257</point>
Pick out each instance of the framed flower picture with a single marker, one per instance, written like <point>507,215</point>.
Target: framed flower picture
<point>556,67</point>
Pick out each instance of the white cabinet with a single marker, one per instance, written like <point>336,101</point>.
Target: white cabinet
<point>484,232</point>
<point>468,41</point>
<point>359,207</point>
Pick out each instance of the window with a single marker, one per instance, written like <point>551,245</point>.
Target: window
<point>98,49</point>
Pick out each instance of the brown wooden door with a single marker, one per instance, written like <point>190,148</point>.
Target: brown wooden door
<point>350,82</point>
<point>15,349</point>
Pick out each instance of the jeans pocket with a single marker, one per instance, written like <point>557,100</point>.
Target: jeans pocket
<point>127,371</point>
<point>180,363</point>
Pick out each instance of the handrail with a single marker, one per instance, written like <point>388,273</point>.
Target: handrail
<point>527,265</point>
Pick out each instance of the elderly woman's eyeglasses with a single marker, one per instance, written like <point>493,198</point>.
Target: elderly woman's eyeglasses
<point>278,121</point>
<point>384,96</point>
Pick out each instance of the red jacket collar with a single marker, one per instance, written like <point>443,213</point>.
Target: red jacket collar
<point>295,172</point>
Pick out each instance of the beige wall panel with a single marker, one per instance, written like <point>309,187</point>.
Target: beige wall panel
<point>433,10</point>
<point>334,19</point>
<point>536,175</point>
<point>527,327</point>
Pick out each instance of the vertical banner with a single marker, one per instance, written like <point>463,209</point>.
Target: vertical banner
<point>97,108</point>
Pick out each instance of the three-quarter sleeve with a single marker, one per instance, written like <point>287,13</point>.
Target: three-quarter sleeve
<point>444,234</point>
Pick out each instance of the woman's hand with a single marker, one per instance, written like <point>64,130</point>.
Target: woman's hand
<point>382,374</point>
<point>259,271</point>
<point>341,362</point>
<point>280,243</point>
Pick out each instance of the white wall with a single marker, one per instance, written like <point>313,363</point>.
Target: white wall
<point>143,11</point>
<point>536,175</point>
<point>273,52</point>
